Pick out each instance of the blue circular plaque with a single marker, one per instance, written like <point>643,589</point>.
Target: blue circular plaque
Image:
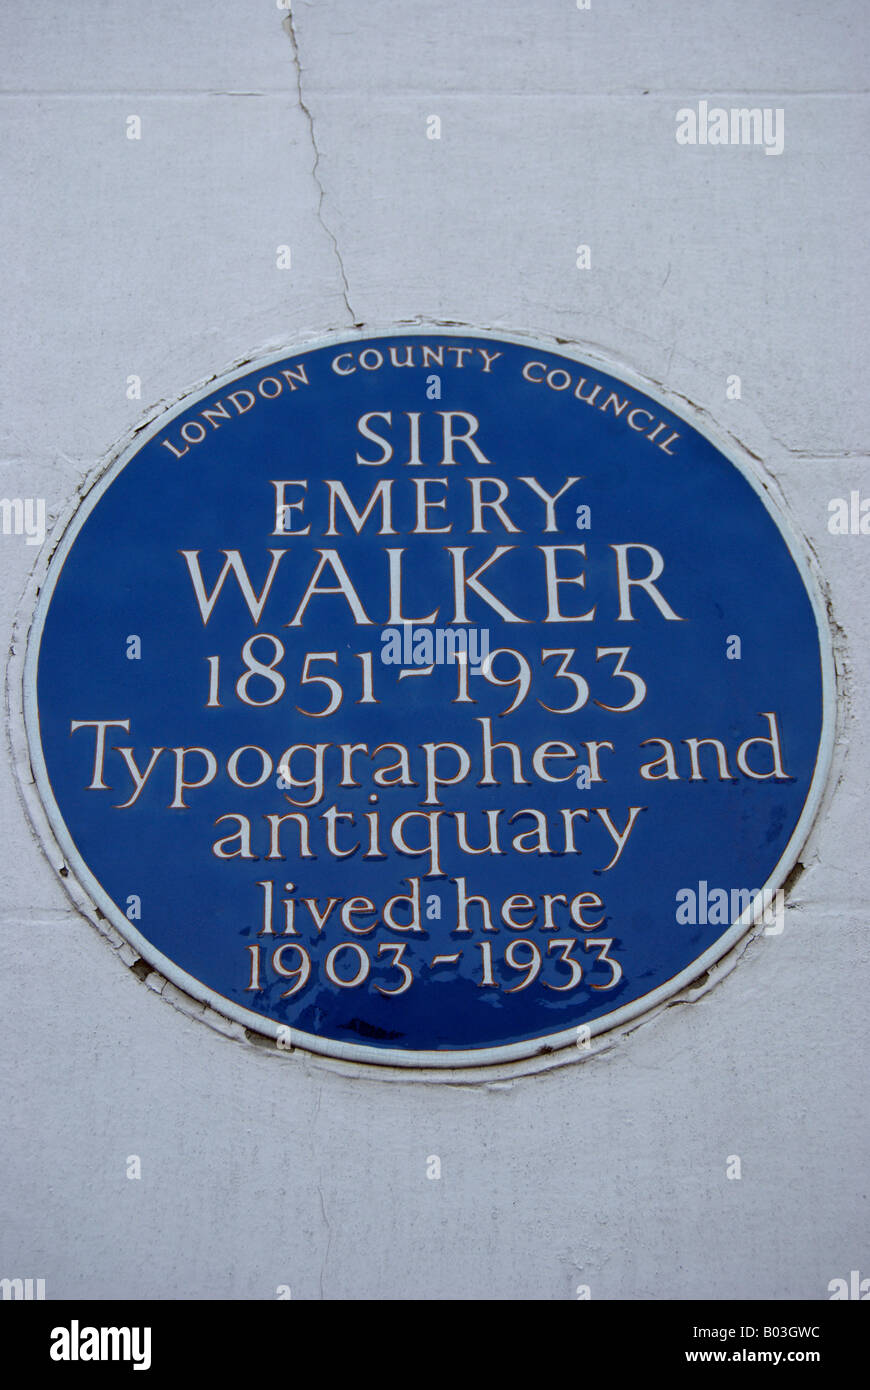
<point>431,699</point>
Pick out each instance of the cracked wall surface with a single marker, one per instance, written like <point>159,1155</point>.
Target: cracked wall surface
<point>315,168</point>
<point>157,257</point>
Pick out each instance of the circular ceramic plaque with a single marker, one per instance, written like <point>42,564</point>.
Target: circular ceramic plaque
<point>430,699</point>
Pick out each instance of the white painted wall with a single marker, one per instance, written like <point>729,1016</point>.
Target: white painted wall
<point>157,258</point>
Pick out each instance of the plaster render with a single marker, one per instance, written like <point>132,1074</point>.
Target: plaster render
<point>157,258</point>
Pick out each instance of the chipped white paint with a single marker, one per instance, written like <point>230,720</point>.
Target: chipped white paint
<point>156,257</point>
<point>185,990</point>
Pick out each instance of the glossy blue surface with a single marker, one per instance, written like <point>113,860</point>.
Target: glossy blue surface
<point>727,571</point>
